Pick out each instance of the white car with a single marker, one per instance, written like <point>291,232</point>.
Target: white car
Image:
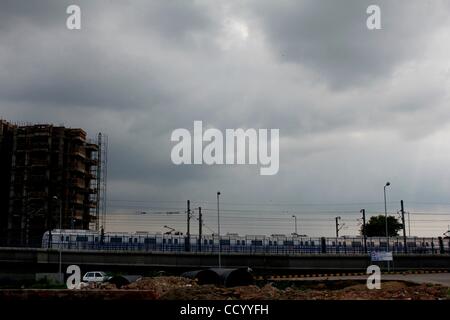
<point>95,276</point>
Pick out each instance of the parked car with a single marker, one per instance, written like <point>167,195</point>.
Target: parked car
<point>95,276</point>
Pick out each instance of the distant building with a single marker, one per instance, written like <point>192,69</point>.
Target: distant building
<point>45,169</point>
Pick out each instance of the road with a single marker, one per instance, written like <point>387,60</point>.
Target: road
<point>435,278</point>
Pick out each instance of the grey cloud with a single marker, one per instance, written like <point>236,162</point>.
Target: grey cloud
<point>350,114</point>
<point>331,37</point>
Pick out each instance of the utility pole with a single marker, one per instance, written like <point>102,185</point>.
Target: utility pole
<point>61,277</point>
<point>363,211</point>
<point>385,214</point>
<point>386,221</point>
<point>295,220</point>
<point>200,224</point>
<point>405,249</point>
<point>218,229</point>
<point>409,226</point>
<point>337,226</point>
<point>188,233</point>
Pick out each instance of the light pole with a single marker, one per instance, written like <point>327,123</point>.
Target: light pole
<point>385,214</point>
<point>295,219</point>
<point>218,228</point>
<point>60,235</point>
<point>363,211</point>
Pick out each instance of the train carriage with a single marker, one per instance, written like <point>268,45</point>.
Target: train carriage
<point>231,242</point>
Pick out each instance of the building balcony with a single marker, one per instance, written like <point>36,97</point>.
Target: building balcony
<point>91,146</point>
<point>78,153</point>
<point>79,201</point>
<point>77,183</point>
<point>90,176</point>
<point>80,169</point>
<point>37,195</point>
<point>36,149</point>
<point>40,133</point>
<point>39,163</point>
<point>92,162</point>
<point>92,190</point>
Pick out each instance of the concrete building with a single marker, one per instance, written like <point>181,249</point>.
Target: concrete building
<point>51,168</point>
<point>6,147</point>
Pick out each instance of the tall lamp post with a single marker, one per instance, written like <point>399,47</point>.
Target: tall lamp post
<point>60,242</point>
<point>363,211</point>
<point>218,228</point>
<point>386,221</point>
<point>385,214</point>
<point>295,219</point>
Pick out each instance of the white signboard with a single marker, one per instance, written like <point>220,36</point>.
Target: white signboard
<point>381,255</point>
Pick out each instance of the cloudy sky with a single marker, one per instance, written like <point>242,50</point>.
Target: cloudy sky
<point>355,107</point>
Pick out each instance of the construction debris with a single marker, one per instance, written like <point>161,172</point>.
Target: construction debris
<point>180,288</point>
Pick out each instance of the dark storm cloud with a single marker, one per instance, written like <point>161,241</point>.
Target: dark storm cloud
<point>332,39</point>
<point>39,13</point>
<point>100,65</point>
<point>354,107</point>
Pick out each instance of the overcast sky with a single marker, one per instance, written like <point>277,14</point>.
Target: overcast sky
<point>355,107</point>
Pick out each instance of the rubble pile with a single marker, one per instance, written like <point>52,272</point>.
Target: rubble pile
<point>161,285</point>
<point>392,290</point>
<point>178,288</point>
<point>98,286</point>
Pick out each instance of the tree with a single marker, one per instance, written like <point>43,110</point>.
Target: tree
<point>376,226</point>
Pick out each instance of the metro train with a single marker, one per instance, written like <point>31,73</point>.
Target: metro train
<point>274,244</point>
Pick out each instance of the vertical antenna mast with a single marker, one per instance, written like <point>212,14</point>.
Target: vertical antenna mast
<point>102,171</point>
<point>104,178</point>
<point>99,177</point>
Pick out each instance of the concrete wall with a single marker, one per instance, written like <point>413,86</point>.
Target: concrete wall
<point>42,260</point>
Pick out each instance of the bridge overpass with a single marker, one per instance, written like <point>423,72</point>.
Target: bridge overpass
<point>36,260</point>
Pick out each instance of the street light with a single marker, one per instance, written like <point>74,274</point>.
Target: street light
<point>363,211</point>
<point>385,214</point>
<point>60,232</point>
<point>295,218</point>
<point>218,227</point>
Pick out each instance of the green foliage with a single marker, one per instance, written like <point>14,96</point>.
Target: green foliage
<point>46,284</point>
<point>376,226</point>
<point>43,283</point>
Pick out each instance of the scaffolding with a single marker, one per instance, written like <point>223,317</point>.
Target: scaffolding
<point>52,170</point>
<point>100,182</point>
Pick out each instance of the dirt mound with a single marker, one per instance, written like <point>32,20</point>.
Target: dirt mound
<point>391,285</point>
<point>98,286</point>
<point>178,288</point>
<point>161,285</point>
<point>210,292</point>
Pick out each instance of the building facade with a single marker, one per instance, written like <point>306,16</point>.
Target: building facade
<point>6,147</point>
<point>52,174</point>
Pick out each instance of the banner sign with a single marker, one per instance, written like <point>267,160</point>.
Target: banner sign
<point>381,255</point>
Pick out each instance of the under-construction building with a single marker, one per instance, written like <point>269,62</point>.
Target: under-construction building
<point>54,182</point>
<point>6,142</point>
